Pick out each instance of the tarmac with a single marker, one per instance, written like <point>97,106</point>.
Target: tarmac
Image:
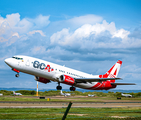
<point>76,104</point>
<point>65,104</point>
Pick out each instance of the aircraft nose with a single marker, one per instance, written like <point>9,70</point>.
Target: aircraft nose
<point>7,61</point>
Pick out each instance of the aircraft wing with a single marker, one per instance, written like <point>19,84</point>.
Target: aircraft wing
<point>123,84</point>
<point>84,80</point>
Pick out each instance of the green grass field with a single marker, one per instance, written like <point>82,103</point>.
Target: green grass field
<point>74,113</point>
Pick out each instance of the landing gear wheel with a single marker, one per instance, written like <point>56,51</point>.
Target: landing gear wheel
<point>59,87</point>
<point>72,88</point>
<point>17,75</point>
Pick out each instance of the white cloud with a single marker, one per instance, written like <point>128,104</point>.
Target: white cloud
<point>60,37</point>
<point>13,19</point>
<point>64,37</point>
<point>41,21</point>
<point>132,68</point>
<point>74,22</point>
<point>86,19</point>
<point>121,34</point>
<point>13,26</point>
<point>94,36</point>
<point>38,49</point>
<point>37,31</point>
<point>23,26</point>
<point>16,34</point>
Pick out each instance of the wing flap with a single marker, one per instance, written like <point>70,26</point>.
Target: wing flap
<point>84,80</point>
<point>123,84</point>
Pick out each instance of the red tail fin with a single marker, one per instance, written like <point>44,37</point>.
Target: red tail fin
<point>113,72</point>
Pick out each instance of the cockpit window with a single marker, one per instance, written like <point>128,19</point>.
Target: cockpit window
<point>18,58</point>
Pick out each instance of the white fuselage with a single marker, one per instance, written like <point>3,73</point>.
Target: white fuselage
<point>45,72</point>
<point>16,93</point>
<point>37,67</point>
<point>126,95</point>
<point>65,94</point>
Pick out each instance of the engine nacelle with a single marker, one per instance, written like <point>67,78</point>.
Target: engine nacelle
<point>43,80</point>
<point>66,79</point>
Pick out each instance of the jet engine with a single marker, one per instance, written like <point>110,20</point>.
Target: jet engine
<point>66,79</point>
<point>43,80</point>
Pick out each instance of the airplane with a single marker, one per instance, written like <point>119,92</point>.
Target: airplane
<point>65,94</point>
<point>126,95</point>
<point>91,95</point>
<point>46,72</point>
<point>16,93</point>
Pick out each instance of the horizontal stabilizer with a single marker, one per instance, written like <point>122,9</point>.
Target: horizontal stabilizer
<point>123,84</point>
<point>84,80</point>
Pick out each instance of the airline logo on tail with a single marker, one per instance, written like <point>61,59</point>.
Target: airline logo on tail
<point>113,72</point>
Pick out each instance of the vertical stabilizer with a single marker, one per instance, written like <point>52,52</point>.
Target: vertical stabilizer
<point>61,91</point>
<point>113,72</point>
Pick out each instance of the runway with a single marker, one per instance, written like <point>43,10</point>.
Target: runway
<point>65,104</point>
<point>78,102</point>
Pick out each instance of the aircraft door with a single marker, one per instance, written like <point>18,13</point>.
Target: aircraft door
<point>19,63</point>
<point>27,63</point>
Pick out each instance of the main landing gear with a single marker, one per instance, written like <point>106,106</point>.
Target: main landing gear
<point>72,88</point>
<point>59,87</point>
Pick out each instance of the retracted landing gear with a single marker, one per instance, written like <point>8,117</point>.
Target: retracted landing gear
<point>72,88</point>
<point>59,87</point>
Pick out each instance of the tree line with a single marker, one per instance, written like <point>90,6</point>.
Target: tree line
<point>73,93</point>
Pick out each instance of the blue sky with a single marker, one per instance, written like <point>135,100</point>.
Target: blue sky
<point>87,35</point>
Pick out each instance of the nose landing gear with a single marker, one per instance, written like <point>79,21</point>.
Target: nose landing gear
<point>17,75</point>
